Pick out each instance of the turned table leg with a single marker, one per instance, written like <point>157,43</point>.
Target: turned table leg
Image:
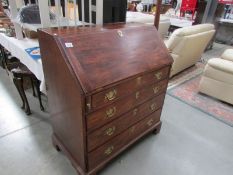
<point>16,83</point>
<point>33,89</point>
<point>21,89</point>
<point>37,84</point>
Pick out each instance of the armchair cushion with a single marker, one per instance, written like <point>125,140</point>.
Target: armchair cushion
<point>222,65</point>
<point>220,70</point>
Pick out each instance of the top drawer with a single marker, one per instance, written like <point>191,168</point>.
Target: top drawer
<point>112,94</point>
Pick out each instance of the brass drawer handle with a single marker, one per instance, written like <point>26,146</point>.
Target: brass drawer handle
<point>88,106</point>
<point>110,131</point>
<point>111,112</point>
<point>137,95</point>
<point>158,75</point>
<point>150,122</point>
<point>135,111</point>
<point>156,89</point>
<point>109,150</point>
<point>153,106</point>
<point>111,95</point>
<point>139,80</point>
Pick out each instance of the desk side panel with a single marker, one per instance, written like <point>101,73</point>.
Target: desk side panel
<point>65,98</point>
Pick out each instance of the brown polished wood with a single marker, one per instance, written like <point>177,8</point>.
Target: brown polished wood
<point>157,15</point>
<point>1,7</point>
<point>110,130</point>
<point>128,87</point>
<point>102,116</point>
<point>104,84</point>
<point>111,147</point>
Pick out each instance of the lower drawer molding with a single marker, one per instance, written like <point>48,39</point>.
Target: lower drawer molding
<point>114,145</point>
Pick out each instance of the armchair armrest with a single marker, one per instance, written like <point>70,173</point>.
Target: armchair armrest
<point>221,64</point>
<point>227,55</point>
<point>166,44</point>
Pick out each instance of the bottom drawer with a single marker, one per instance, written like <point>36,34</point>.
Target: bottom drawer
<point>111,147</point>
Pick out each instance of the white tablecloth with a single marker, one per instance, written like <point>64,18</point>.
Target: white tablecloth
<point>17,49</point>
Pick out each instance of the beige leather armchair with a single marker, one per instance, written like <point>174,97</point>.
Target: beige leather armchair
<point>187,44</point>
<point>217,79</point>
<point>139,17</point>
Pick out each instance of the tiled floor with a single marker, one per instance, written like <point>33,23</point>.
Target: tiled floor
<point>190,142</point>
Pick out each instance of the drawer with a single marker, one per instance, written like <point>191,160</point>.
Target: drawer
<point>109,149</point>
<point>108,113</point>
<point>103,134</point>
<point>125,88</point>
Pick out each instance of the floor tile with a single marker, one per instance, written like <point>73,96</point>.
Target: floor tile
<point>30,151</point>
<point>190,142</point>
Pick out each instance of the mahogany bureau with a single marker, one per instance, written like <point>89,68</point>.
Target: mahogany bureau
<point>106,87</point>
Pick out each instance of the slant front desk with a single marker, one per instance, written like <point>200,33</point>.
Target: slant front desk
<point>106,88</point>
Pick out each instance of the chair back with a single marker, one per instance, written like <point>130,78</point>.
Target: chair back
<point>187,45</point>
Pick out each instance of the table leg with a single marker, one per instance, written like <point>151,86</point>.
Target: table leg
<point>33,90</point>
<point>16,83</point>
<point>21,89</point>
<point>37,84</point>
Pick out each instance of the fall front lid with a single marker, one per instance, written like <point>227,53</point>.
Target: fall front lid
<point>103,56</point>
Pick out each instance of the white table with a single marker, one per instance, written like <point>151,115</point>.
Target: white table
<point>17,49</point>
